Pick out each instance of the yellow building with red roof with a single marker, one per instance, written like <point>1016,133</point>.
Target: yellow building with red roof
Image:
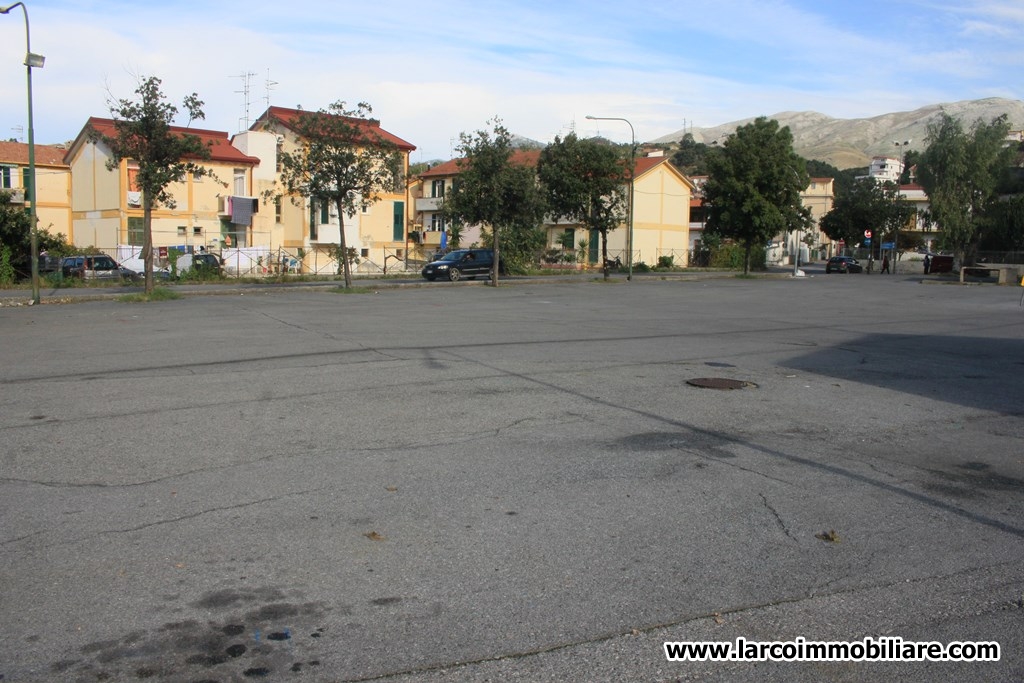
<point>53,183</point>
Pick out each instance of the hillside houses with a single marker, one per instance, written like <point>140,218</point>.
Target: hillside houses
<point>661,213</point>
<point>239,210</point>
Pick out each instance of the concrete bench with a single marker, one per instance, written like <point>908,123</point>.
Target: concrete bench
<point>1005,274</point>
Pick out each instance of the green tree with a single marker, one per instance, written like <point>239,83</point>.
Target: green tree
<point>583,181</point>
<point>1007,229</point>
<point>500,196</point>
<point>14,234</point>
<point>345,160</point>
<point>869,205</point>
<point>961,172</point>
<point>754,185</point>
<point>864,206</point>
<point>691,156</point>
<point>143,134</point>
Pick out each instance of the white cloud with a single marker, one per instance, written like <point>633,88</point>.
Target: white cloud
<point>434,70</point>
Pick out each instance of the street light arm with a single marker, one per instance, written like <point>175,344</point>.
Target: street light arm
<point>31,60</point>
<point>632,182</point>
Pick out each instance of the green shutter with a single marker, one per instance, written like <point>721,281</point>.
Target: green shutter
<point>135,230</point>
<point>26,182</point>
<point>325,216</point>
<point>398,227</point>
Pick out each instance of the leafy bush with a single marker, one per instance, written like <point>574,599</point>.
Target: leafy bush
<point>731,256</point>
<point>666,261</point>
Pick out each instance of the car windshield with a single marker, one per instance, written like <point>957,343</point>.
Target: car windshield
<point>453,256</point>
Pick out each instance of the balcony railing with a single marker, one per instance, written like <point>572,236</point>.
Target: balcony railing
<point>429,203</point>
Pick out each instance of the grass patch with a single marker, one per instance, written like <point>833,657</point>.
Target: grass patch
<point>158,294</point>
<point>352,290</point>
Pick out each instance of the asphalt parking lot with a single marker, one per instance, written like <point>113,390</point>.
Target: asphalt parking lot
<point>467,483</point>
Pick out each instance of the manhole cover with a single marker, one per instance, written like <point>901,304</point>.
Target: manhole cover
<point>719,383</point>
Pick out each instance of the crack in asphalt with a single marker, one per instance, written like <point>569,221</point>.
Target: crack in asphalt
<point>778,518</point>
<point>653,628</point>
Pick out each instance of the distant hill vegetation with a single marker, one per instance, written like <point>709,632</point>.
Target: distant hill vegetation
<point>851,143</point>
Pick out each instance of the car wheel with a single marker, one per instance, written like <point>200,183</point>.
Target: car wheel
<point>454,274</point>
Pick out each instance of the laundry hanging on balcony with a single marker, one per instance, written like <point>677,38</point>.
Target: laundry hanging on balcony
<point>242,209</point>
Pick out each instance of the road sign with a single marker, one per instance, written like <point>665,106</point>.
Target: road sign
<point>867,233</point>
<point>867,241</point>
<point>888,245</point>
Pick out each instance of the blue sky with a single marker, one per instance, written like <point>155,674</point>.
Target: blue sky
<point>432,70</point>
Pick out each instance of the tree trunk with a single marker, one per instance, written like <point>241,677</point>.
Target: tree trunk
<point>604,253</point>
<point>343,245</point>
<point>497,256</point>
<point>147,241</point>
<point>746,258</point>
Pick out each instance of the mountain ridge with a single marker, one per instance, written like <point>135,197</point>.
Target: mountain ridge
<point>851,143</point>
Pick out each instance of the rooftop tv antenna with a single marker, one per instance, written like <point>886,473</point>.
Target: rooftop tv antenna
<point>269,85</point>
<point>245,91</point>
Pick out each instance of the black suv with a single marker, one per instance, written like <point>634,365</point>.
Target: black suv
<point>461,263</point>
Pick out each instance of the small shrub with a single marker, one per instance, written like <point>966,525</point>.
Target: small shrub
<point>6,268</point>
<point>666,261</point>
<point>352,290</point>
<point>158,294</point>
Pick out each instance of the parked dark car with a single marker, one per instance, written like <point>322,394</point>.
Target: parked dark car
<point>843,264</point>
<point>94,267</point>
<point>460,264</point>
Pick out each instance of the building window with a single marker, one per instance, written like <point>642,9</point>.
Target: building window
<point>26,181</point>
<point>240,182</point>
<point>182,230</point>
<point>133,176</point>
<point>436,222</point>
<point>325,213</point>
<point>364,253</point>
<point>197,231</point>
<point>398,222</point>
<point>437,188</point>
<point>5,177</point>
<point>136,226</point>
<point>277,209</point>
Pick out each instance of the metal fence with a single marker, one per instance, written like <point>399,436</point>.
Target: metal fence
<point>263,262</point>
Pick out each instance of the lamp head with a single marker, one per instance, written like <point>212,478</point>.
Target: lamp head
<point>34,61</point>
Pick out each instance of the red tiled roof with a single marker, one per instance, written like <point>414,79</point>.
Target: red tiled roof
<point>17,153</point>
<point>531,157</point>
<point>520,157</point>
<point>287,118</point>
<point>219,142</point>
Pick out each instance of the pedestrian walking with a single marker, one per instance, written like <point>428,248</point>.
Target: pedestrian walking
<point>927,263</point>
<point>885,264</point>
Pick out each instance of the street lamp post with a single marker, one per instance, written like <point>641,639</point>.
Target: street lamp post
<point>31,60</point>
<point>632,173</point>
<point>896,233</point>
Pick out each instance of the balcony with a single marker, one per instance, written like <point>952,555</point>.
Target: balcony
<point>17,196</point>
<point>429,203</point>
